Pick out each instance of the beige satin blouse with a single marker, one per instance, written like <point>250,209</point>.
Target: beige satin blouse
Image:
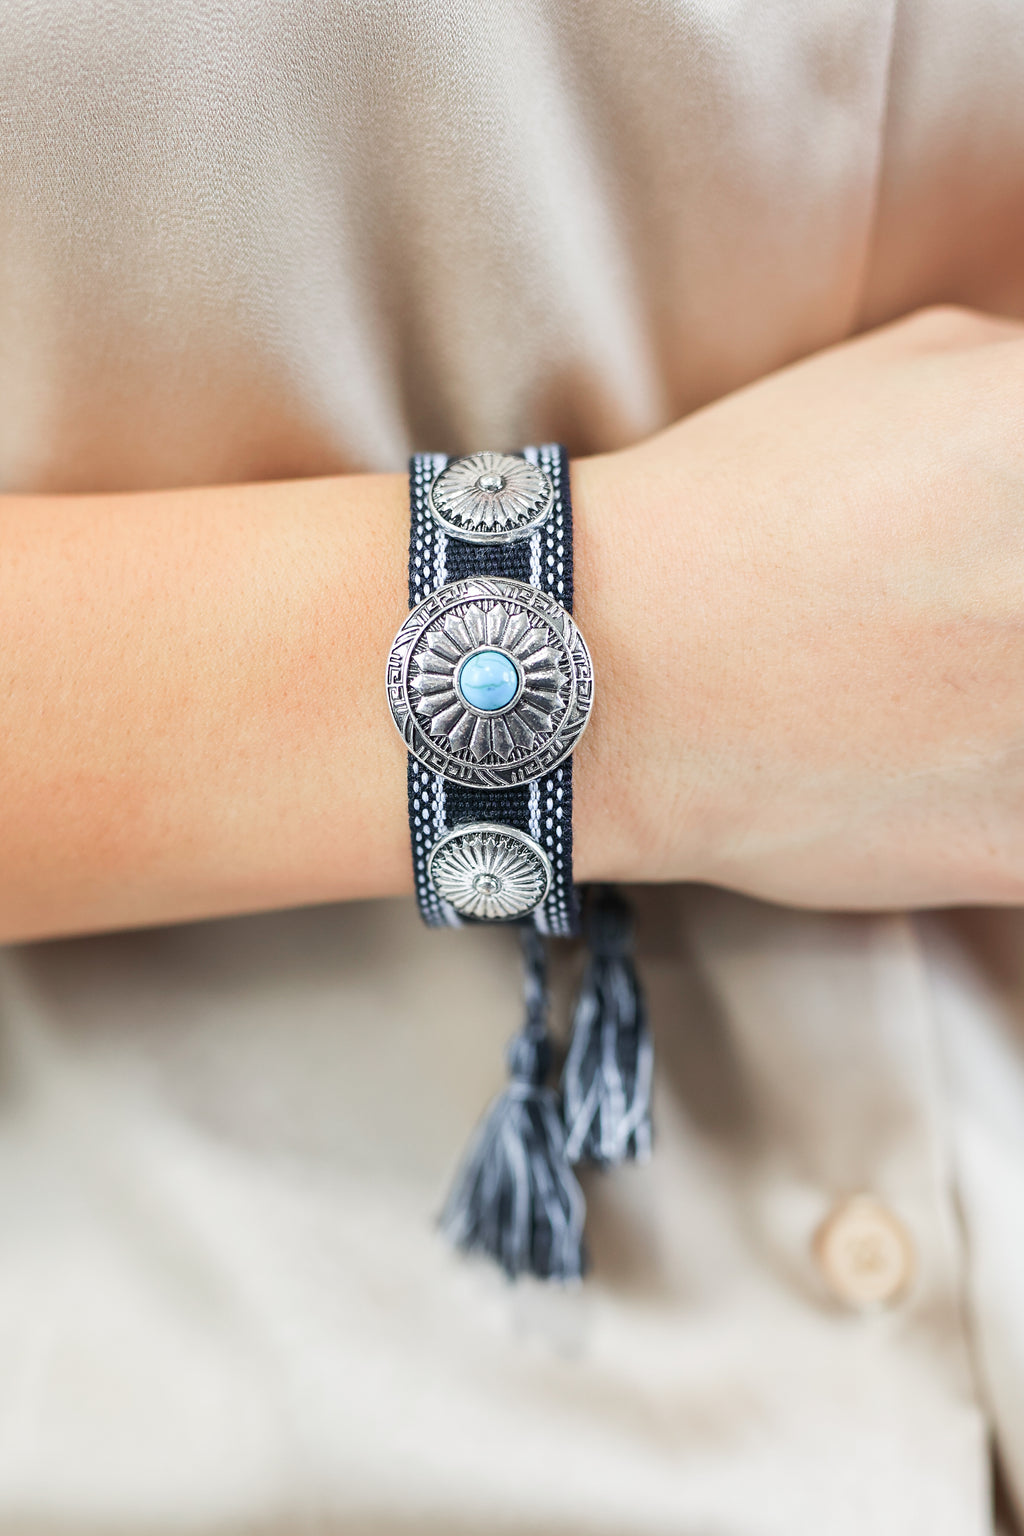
<point>247,239</point>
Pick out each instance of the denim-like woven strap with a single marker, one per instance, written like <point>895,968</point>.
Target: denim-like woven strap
<point>542,809</point>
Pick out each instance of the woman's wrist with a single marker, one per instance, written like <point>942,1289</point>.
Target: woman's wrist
<point>641,806</point>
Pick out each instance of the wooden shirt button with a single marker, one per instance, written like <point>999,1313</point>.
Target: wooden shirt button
<point>865,1253</point>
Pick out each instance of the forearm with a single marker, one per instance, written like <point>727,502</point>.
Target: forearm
<point>193,702</point>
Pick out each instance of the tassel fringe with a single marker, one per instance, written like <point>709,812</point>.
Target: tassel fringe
<point>606,1084</point>
<point>515,1197</point>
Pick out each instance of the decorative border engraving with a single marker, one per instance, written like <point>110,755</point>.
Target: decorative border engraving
<point>490,872</point>
<point>548,718</point>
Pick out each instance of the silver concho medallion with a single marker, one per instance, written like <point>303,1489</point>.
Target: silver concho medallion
<point>490,872</point>
<point>490,682</point>
<point>490,498</point>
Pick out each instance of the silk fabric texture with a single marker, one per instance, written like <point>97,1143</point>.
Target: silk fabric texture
<point>241,240</point>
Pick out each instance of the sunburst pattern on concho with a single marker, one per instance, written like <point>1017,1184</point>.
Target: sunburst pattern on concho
<point>490,498</point>
<point>490,872</point>
<point>519,740</point>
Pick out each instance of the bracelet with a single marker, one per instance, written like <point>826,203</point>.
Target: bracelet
<point>490,685</point>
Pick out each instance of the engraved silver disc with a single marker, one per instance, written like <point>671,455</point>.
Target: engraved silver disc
<point>490,498</point>
<point>490,872</point>
<point>525,733</point>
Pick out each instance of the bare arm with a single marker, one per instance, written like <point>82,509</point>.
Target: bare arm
<point>804,606</point>
<point>192,702</point>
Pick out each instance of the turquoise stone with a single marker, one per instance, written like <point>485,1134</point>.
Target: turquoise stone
<point>488,680</point>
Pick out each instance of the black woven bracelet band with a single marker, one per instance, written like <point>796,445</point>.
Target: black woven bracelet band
<point>490,684</point>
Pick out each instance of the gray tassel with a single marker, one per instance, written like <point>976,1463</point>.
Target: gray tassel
<point>515,1197</point>
<point>606,1084</point>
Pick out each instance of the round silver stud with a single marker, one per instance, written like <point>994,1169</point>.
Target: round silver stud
<point>490,498</point>
<point>490,872</point>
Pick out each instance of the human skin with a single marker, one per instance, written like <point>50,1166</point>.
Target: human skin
<point>805,605</point>
<point>812,656</point>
